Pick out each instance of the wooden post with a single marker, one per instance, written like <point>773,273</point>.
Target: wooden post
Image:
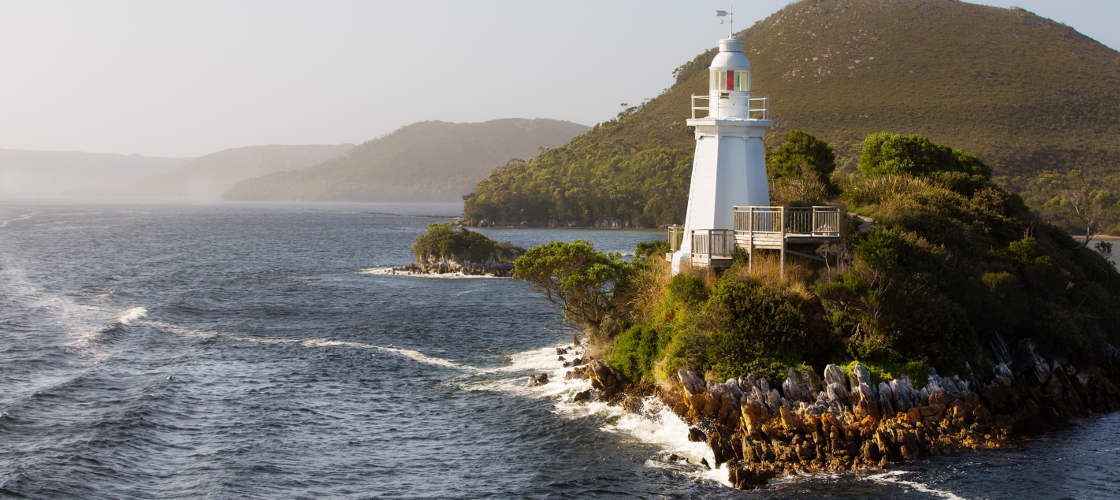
<point>750,236</point>
<point>782,265</point>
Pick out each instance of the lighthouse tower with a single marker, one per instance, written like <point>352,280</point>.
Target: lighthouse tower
<point>729,167</point>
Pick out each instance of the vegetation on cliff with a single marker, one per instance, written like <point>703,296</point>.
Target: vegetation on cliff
<point>950,263</point>
<point>1034,98</point>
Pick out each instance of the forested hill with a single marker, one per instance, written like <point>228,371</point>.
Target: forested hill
<point>1024,93</point>
<point>206,177</point>
<point>426,161</point>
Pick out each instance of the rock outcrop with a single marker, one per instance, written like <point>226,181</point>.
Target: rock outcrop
<point>848,422</point>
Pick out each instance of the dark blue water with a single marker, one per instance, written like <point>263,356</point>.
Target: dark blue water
<point>256,351</point>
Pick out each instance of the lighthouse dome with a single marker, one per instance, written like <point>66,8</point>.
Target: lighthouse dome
<point>730,69</point>
<point>730,55</point>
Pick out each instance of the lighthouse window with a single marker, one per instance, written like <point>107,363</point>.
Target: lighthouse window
<point>742,80</point>
<point>730,80</point>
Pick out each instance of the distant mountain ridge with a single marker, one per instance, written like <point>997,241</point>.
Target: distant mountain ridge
<point>1024,93</point>
<point>425,161</point>
<point>207,177</point>
<point>28,173</point>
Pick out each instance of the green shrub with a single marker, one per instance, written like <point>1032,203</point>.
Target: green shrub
<point>636,350</point>
<point>759,329</point>
<point>688,289</point>
<point>914,155</point>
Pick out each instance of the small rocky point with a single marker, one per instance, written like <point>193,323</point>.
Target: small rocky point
<point>844,421</point>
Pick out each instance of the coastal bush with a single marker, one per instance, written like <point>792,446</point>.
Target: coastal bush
<point>759,329</point>
<point>580,280</point>
<point>635,351</point>
<point>646,249</point>
<point>688,289</point>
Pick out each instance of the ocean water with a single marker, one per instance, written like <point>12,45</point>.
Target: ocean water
<point>259,351</point>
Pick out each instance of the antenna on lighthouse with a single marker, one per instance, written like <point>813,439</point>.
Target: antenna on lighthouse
<point>730,15</point>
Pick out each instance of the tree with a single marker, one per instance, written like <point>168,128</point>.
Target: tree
<point>1089,203</point>
<point>801,153</point>
<point>577,278</point>
<point>915,155</point>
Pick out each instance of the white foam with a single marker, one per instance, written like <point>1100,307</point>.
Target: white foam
<point>655,423</point>
<point>423,358</point>
<point>392,271</point>
<point>319,343</point>
<point>894,477</point>
<point>131,314</point>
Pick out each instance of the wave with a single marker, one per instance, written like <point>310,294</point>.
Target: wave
<point>655,423</point>
<point>131,314</point>
<point>392,271</point>
<point>893,477</point>
<point>28,215</point>
<point>319,342</point>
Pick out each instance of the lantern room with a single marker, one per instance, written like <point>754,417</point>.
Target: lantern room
<point>729,81</point>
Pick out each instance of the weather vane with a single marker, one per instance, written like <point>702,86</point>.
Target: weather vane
<point>730,15</point>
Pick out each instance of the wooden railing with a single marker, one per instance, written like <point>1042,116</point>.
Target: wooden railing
<point>713,243</point>
<point>676,237</point>
<point>819,221</point>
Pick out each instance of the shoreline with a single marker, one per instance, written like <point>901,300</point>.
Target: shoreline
<point>845,423</point>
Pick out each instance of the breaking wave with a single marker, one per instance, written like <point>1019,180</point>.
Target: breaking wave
<point>392,271</point>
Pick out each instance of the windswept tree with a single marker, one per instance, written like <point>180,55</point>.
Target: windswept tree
<point>577,278</point>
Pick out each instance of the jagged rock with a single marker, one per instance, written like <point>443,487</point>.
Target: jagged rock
<point>1029,363</point>
<point>860,375</point>
<point>561,350</point>
<point>606,379</point>
<point>837,394</point>
<point>792,386</point>
<point>633,403</point>
<point>833,375</point>
<point>721,448</point>
<point>697,435</point>
<point>811,383</point>
<point>746,477</point>
<point>539,379</point>
<point>1000,352</point>
<point>692,382</point>
<point>583,396</point>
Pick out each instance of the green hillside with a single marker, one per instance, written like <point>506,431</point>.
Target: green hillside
<point>426,161</point>
<point>1027,95</point>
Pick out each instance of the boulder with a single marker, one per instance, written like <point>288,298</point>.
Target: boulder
<point>538,379</point>
<point>606,379</point>
<point>697,435</point>
<point>746,477</point>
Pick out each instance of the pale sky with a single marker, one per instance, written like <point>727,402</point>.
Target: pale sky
<point>186,78</point>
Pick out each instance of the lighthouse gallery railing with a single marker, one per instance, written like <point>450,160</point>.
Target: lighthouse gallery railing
<point>759,107</point>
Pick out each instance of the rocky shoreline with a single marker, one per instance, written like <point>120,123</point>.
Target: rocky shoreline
<point>448,266</point>
<point>846,422</point>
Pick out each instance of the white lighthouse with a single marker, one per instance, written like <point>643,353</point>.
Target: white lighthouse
<point>729,167</point>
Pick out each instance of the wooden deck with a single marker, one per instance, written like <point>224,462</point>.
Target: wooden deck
<point>764,228</point>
